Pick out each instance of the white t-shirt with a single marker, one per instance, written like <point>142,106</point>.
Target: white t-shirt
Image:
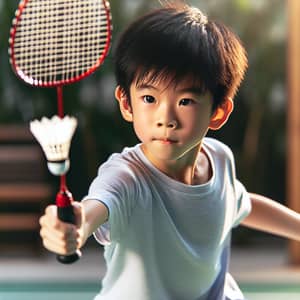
<point>166,240</point>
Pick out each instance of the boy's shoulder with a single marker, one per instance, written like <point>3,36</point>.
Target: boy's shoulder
<point>126,155</point>
<point>126,161</point>
<point>121,169</point>
<point>217,148</point>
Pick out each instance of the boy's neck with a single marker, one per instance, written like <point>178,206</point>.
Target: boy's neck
<point>194,170</point>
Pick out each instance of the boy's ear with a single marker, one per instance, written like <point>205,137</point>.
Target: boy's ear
<point>124,104</point>
<point>221,114</point>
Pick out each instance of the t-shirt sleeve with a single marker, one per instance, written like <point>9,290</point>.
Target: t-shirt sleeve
<point>114,187</point>
<point>243,201</point>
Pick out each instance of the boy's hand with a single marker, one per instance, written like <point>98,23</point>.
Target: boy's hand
<point>60,237</point>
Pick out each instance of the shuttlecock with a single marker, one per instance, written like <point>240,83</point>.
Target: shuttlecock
<point>54,135</point>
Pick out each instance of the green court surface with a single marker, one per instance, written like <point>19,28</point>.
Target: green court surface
<point>271,291</point>
<point>87,291</point>
<point>48,291</point>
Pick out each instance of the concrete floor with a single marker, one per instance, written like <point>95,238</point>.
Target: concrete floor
<point>264,264</point>
<point>249,265</point>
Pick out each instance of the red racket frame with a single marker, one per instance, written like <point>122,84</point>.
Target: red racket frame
<point>32,82</point>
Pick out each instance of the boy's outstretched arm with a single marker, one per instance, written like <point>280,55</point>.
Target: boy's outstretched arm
<point>272,217</point>
<point>64,238</point>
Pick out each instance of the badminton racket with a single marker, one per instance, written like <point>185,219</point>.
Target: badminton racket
<point>58,42</point>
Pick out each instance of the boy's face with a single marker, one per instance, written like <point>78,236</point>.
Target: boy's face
<point>169,119</point>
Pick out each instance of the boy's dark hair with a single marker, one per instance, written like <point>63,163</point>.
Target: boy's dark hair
<point>180,41</point>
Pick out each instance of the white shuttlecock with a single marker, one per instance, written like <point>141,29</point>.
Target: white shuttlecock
<point>54,135</point>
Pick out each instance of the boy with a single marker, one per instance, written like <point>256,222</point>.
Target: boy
<point>164,209</point>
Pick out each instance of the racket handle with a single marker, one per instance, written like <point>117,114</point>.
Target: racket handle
<point>66,214</point>
<point>69,259</point>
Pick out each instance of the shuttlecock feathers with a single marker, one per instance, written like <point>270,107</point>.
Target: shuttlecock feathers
<point>54,136</point>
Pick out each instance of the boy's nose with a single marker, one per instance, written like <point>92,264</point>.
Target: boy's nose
<point>168,124</point>
<point>166,116</point>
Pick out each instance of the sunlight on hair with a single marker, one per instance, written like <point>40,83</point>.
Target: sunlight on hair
<point>197,17</point>
<point>195,14</point>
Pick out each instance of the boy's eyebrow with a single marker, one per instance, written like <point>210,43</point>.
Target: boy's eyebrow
<point>146,86</point>
<point>192,89</point>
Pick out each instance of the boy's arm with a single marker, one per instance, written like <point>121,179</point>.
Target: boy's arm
<point>95,214</point>
<point>65,238</point>
<point>272,217</point>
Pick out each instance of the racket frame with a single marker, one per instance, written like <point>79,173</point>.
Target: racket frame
<point>37,83</point>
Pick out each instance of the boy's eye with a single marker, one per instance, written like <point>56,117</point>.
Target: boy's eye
<point>148,99</point>
<point>185,102</point>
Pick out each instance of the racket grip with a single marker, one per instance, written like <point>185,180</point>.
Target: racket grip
<point>66,214</point>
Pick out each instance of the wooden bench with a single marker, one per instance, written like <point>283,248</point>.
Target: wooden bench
<point>25,187</point>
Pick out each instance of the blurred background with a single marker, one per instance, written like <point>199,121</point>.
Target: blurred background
<point>256,132</point>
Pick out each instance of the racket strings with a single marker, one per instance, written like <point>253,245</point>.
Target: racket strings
<point>61,39</point>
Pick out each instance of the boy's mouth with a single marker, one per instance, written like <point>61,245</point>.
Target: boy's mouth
<point>166,141</point>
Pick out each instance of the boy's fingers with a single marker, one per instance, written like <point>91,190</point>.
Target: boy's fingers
<point>51,215</point>
<point>63,241</point>
<point>49,221</point>
<point>51,210</point>
<point>63,231</point>
<point>58,236</point>
<point>59,247</point>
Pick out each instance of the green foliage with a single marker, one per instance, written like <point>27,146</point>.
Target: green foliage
<point>256,130</point>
